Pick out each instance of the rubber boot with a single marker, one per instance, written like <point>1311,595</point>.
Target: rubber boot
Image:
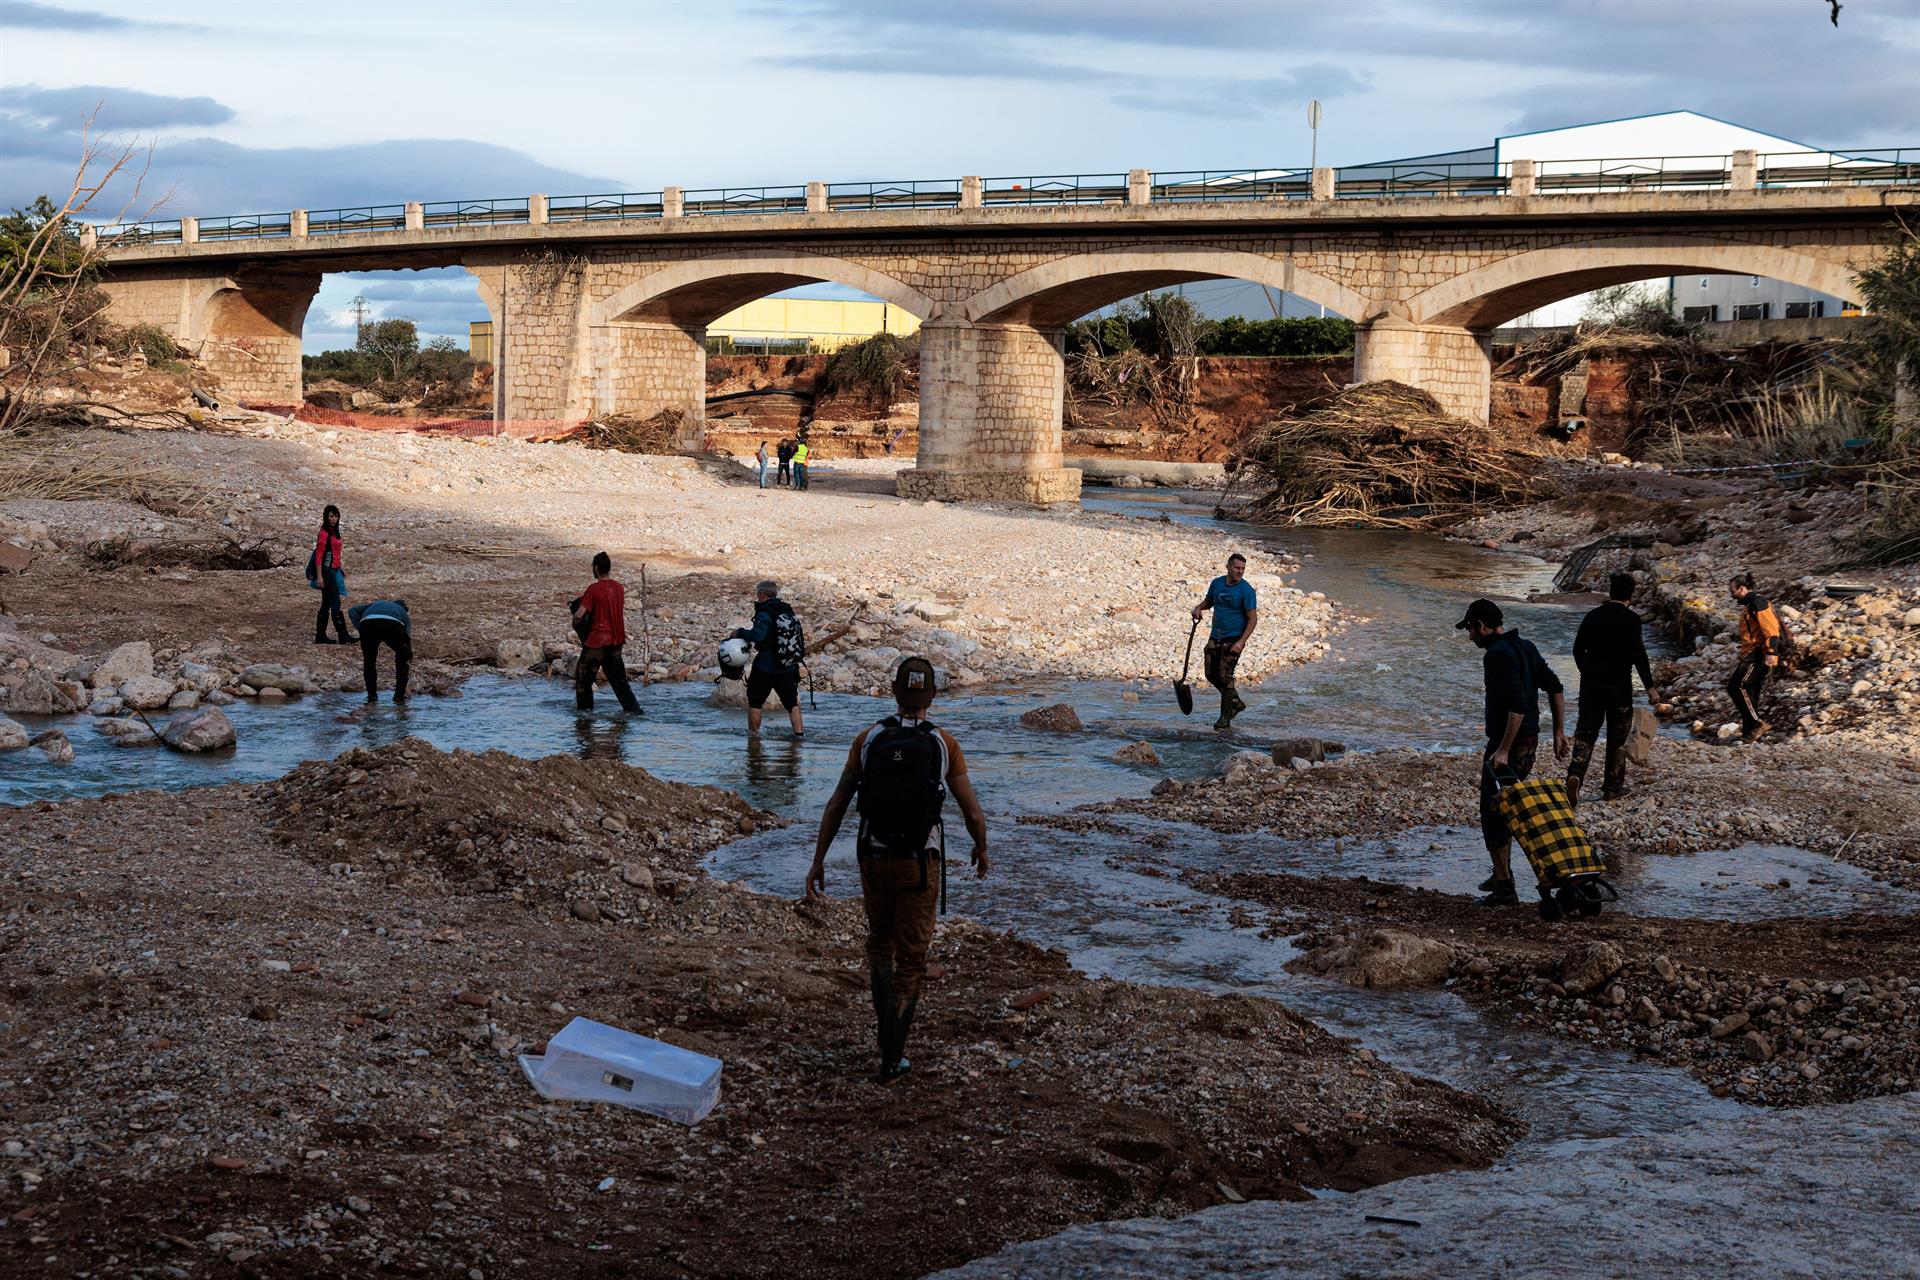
<point>893,1055</point>
<point>882,980</point>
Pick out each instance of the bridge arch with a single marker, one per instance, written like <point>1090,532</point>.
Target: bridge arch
<point>696,292</point>
<point>1057,292</point>
<point>1494,294</point>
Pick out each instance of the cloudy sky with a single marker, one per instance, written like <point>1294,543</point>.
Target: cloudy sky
<point>259,107</point>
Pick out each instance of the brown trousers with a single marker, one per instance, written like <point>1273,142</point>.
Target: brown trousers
<point>899,920</point>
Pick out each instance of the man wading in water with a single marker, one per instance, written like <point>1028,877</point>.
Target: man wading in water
<point>901,769</point>
<point>1236,612</point>
<point>1515,675</point>
<point>1608,649</point>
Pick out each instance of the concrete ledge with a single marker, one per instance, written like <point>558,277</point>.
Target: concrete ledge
<point>1106,470</point>
<point>990,486</point>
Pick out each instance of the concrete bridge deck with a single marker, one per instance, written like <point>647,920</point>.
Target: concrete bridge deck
<point>607,314</point>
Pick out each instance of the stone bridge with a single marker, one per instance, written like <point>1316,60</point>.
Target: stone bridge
<point>607,312</point>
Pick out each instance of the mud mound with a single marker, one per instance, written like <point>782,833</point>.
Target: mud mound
<point>589,831</point>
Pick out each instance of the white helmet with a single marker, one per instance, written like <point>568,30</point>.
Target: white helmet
<point>734,657</point>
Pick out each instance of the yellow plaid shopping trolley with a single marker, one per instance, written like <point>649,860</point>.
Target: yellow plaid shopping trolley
<point>1572,876</point>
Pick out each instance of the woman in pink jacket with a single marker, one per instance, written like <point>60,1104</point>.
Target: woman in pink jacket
<point>330,579</point>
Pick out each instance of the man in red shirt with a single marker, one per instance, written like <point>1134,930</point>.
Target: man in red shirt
<point>603,608</point>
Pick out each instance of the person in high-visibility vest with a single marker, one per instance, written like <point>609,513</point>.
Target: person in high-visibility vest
<point>800,453</point>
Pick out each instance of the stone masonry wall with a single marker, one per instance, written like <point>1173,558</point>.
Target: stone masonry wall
<point>1452,364</point>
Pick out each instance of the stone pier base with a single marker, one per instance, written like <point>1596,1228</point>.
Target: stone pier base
<point>1061,485</point>
<point>1454,365</point>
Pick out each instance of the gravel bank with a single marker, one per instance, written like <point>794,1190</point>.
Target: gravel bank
<point>488,539</point>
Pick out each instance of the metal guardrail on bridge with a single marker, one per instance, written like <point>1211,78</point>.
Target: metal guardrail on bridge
<point>1738,171</point>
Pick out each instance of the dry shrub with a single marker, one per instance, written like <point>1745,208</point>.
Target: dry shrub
<point>659,434</point>
<point>880,368</point>
<point>29,470</point>
<point>1384,454</point>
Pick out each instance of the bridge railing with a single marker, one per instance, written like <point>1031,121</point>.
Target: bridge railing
<point>723,200</point>
<point>121,235</point>
<point>1210,185</point>
<point>1465,178</point>
<point>347,222</point>
<point>474,213</point>
<point>1892,167</point>
<point>917,193</point>
<point>247,226</point>
<point>1888,166</point>
<point>620,205</point>
<point>1082,188</point>
<point>1634,173</point>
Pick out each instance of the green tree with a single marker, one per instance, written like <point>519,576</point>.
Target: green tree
<point>392,343</point>
<point>19,228</point>
<point>1891,288</point>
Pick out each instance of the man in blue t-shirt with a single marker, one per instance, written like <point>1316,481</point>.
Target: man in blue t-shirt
<point>1236,611</point>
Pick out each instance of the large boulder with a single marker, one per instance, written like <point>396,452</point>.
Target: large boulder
<point>1312,750</point>
<point>1588,966</point>
<point>1381,958</point>
<point>518,655</point>
<point>126,733</point>
<point>53,743</point>
<point>207,729</point>
<point>271,675</point>
<point>200,677</point>
<point>13,735</point>
<point>1137,753</point>
<point>1058,718</point>
<point>1246,764</point>
<point>147,693</point>
<point>33,696</point>
<point>125,663</point>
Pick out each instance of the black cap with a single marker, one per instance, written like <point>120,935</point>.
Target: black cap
<point>913,683</point>
<point>1484,612</point>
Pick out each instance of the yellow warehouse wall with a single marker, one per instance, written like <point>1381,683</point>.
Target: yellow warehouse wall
<point>827,322</point>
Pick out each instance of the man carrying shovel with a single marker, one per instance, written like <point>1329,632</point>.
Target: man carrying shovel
<point>1236,612</point>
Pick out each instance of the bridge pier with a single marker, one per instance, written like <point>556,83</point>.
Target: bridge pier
<point>246,326</point>
<point>1453,365</point>
<point>639,370</point>
<point>991,397</point>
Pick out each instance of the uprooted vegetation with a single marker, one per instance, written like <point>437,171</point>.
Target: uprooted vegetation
<point>1384,455</point>
<point>882,368</point>
<point>664,432</point>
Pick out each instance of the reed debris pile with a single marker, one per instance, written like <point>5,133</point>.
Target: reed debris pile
<point>1384,455</point>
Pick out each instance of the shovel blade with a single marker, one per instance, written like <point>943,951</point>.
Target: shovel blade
<point>1184,692</point>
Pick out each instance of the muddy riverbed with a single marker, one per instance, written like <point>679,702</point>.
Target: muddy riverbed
<point>1047,1097</point>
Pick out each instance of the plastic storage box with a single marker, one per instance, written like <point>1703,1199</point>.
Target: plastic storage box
<point>590,1061</point>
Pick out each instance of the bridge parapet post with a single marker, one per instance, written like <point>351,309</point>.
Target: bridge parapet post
<point>1522,179</point>
<point>189,231</point>
<point>416,216</point>
<point>89,236</point>
<point>673,202</point>
<point>1139,186</point>
<point>816,197</point>
<point>297,224</point>
<point>970,193</point>
<point>1322,184</point>
<point>1745,173</point>
<point>537,211</point>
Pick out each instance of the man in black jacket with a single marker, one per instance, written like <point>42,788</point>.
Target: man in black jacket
<point>1515,674</point>
<point>1608,649</point>
<point>780,644</point>
<point>384,622</point>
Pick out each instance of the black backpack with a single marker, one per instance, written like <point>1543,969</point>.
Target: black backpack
<point>581,622</point>
<point>313,568</point>
<point>789,638</point>
<point>902,785</point>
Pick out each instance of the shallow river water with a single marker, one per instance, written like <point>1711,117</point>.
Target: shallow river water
<point>1401,677</point>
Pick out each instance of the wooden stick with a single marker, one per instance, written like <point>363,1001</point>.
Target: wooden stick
<point>646,632</point>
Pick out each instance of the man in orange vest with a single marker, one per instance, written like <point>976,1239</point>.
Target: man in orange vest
<point>1761,638</point>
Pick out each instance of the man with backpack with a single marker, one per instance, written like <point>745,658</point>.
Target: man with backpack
<point>1608,649</point>
<point>600,620</point>
<point>900,772</point>
<point>1515,673</point>
<point>780,645</point>
<point>1763,642</point>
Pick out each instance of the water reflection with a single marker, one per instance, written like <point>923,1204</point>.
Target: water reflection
<point>600,739</point>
